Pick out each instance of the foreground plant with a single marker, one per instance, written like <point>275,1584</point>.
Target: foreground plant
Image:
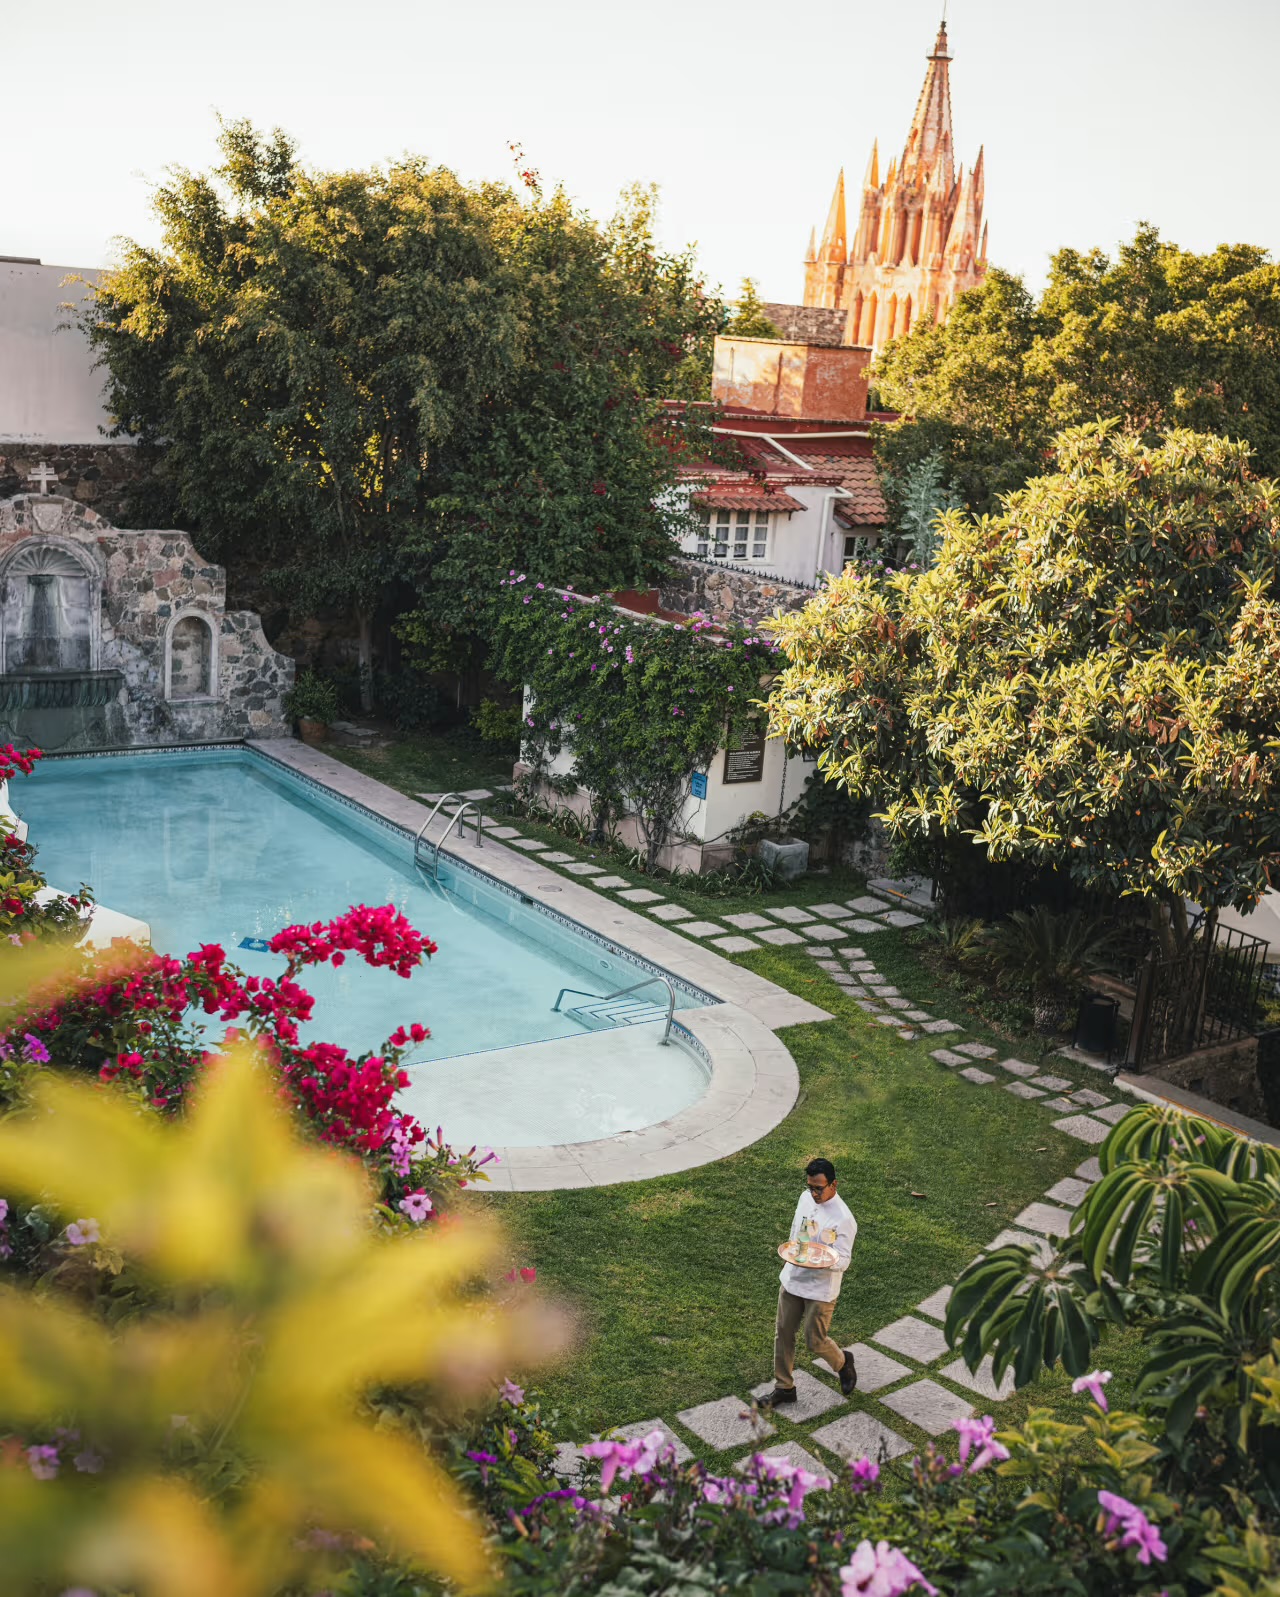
<point>226,1450</point>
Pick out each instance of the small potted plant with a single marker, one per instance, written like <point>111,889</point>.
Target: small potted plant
<point>313,704</point>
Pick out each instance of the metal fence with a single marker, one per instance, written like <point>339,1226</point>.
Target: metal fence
<point>1204,996</point>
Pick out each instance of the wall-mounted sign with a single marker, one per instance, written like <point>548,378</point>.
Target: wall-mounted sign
<point>698,784</point>
<point>745,762</point>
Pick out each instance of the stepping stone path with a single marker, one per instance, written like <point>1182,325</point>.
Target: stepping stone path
<point>980,1078</point>
<point>916,1338</point>
<point>813,1397</point>
<point>791,914</point>
<point>861,1436</point>
<point>669,912</point>
<point>779,936</point>
<point>930,1406</point>
<point>725,1422</point>
<point>792,1452</point>
<point>611,881</point>
<point>734,945</point>
<point>642,895</point>
<point>556,859</point>
<point>581,869</point>
<point>749,922</point>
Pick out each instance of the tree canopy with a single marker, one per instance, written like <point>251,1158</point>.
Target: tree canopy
<point>749,319</point>
<point>1159,336</point>
<point>386,376</point>
<point>1087,681</point>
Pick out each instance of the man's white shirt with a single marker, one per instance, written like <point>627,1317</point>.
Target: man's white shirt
<point>830,1223</point>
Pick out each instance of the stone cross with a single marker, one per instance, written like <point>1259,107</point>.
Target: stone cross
<point>43,475</point>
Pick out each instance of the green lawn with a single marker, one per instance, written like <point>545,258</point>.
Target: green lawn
<point>430,762</point>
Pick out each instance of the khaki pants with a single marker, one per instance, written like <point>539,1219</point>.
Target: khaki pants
<point>816,1319</point>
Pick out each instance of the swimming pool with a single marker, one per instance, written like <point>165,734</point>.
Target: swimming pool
<point>223,845</point>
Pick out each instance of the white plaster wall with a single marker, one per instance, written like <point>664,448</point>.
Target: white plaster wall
<point>49,391</point>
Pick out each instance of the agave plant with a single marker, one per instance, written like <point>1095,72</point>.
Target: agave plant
<point>1050,954</point>
<point>958,938</point>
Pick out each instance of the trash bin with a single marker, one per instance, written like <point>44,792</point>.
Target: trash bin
<point>1096,1025</point>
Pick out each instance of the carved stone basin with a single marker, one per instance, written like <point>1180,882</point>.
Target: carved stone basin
<point>58,690</point>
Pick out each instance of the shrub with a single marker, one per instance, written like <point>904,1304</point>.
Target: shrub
<point>497,724</point>
<point>1049,956</point>
<point>312,698</point>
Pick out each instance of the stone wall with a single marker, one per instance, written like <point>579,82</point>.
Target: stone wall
<point>729,591</point>
<point>1227,1074</point>
<point>100,476</point>
<point>144,585</point>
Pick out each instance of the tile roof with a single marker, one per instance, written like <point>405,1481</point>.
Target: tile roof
<point>741,496</point>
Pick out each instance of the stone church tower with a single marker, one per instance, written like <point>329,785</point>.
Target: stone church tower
<point>921,239</point>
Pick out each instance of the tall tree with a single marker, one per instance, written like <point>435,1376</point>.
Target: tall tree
<point>370,378</point>
<point>749,319</point>
<point>1087,681</point>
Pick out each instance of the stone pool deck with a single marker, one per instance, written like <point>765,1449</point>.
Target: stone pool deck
<point>754,1082</point>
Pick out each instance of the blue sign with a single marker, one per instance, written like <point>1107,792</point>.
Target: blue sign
<point>258,945</point>
<point>699,784</point>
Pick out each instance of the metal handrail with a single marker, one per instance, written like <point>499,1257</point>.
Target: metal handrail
<point>622,993</point>
<point>458,816</point>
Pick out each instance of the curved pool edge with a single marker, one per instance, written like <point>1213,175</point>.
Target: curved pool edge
<point>754,1086</point>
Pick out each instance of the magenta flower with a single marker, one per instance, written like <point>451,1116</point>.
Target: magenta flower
<point>80,1232</point>
<point>1093,1384</point>
<point>417,1205</point>
<point>865,1472</point>
<point>980,1433</point>
<point>1134,1528</point>
<point>43,1462</point>
<point>88,1462</point>
<point>627,1458</point>
<point>881,1571</point>
<point>509,1392</point>
<point>35,1050</point>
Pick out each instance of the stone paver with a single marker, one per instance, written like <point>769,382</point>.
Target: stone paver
<point>504,832</point>
<point>529,844</point>
<point>862,926</point>
<point>700,928</point>
<point>823,934</point>
<point>1082,1127</point>
<point>861,1436</point>
<point>476,793</point>
<point>875,1369</point>
<point>888,1020</point>
<point>908,1036</point>
<point>944,1056</point>
<point>1090,1099</point>
<point>919,1015</point>
<point>568,1460</point>
<point>896,1003</point>
<point>867,905</point>
<point>979,1078</point>
<point>734,945</point>
<point>937,1027</point>
<point>640,1428</point>
<point>611,881</point>
<point>1016,1067</point>
<point>1024,1239</point>
<point>885,991</point>
<point>851,983</point>
<point>793,915</point>
<point>671,912</point>
<point>582,869</point>
<point>975,1050</point>
<point>1068,1191</point>
<point>556,858</point>
<point>1059,1105</point>
<point>1020,1089</point>
<point>726,1422</point>
<point>935,1305</point>
<point>865,1003</point>
<point>813,1397</point>
<point>1045,1217</point>
<point>750,922</point>
<point>830,911</point>
<point>1051,1083</point>
<point>832,965</point>
<point>980,1380</point>
<point>1114,1112</point>
<point>867,967</point>
<point>1090,1170</point>
<point>641,895</point>
<point>791,1451</point>
<point>903,918</point>
<point>782,936</point>
<point>929,1406</point>
<point>917,1339</point>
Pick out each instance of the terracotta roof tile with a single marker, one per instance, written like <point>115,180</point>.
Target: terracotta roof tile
<point>732,496</point>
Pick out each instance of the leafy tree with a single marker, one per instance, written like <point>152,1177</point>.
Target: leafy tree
<point>368,378</point>
<point>1161,337</point>
<point>1086,681</point>
<point>749,319</point>
<point>924,496</point>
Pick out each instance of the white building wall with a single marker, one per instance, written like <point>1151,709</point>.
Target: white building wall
<point>49,390</point>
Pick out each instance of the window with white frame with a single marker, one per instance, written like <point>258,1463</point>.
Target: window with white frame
<point>733,534</point>
<point>856,547</point>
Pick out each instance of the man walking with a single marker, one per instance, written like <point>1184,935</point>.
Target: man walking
<point>808,1296</point>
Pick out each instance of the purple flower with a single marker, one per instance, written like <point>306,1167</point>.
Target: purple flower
<point>88,1462</point>
<point>865,1472</point>
<point>1135,1529</point>
<point>484,1460</point>
<point>4,1210</point>
<point>80,1232</point>
<point>627,1458</point>
<point>1093,1384</point>
<point>417,1205</point>
<point>35,1050</point>
<point>509,1392</point>
<point>43,1462</point>
<point>881,1571</point>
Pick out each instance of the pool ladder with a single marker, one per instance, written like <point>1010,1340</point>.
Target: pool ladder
<point>458,815</point>
<point>607,1012</point>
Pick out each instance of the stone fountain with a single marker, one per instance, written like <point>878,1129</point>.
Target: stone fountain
<point>116,639</point>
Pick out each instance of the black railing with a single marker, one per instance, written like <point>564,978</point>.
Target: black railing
<point>1204,996</point>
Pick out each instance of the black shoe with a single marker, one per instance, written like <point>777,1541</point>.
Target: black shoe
<point>848,1374</point>
<point>778,1397</point>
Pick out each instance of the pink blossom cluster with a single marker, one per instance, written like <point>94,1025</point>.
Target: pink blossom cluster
<point>626,1459</point>
<point>13,760</point>
<point>1126,1526</point>
<point>45,1459</point>
<point>881,1571</point>
<point>381,936</point>
<point>980,1434</point>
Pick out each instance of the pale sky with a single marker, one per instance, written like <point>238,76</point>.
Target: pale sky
<point>1094,113</point>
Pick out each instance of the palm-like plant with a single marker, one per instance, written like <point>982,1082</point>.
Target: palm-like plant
<point>1051,955</point>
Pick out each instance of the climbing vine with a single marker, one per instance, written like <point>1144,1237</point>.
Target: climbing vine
<point>641,702</point>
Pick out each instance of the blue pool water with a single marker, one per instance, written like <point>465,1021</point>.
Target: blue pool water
<point>224,846</point>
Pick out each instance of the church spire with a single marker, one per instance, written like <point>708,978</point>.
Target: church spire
<point>929,140</point>
<point>835,236</point>
<point>811,254</point>
<point>872,179</point>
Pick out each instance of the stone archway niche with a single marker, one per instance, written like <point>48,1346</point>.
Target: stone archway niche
<point>49,604</point>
